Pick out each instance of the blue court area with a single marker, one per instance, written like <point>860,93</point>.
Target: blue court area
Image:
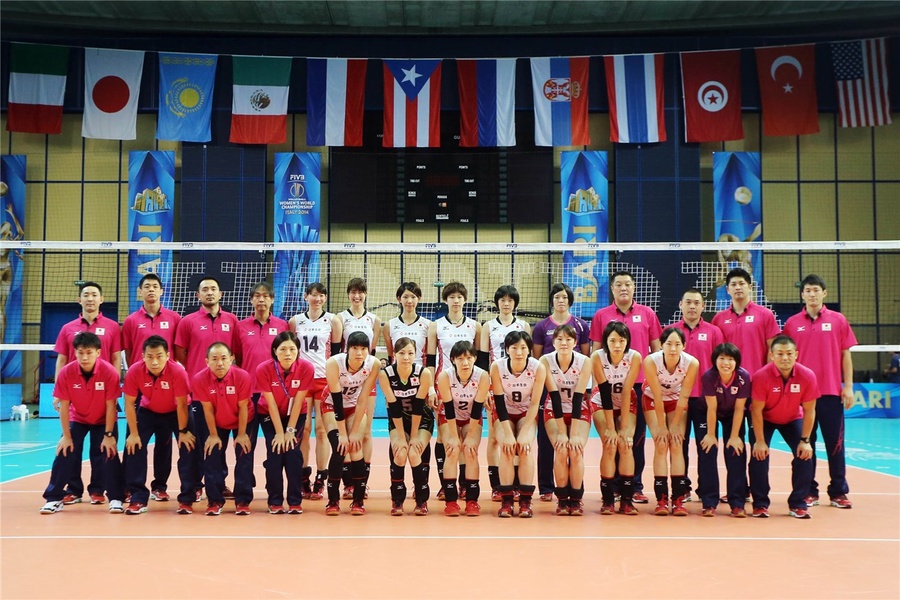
<point>28,447</point>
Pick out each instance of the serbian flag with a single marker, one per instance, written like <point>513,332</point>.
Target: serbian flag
<point>112,83</point>
<point>412,103</point>
<point>711,84</point>
<point>560,89</point>
<point>787,87</point>
<point>335,91</point>
<point>634,84</point>
<point>259,105</point>
<point>861,77</point>
<point>37,86</point>
<point>487,90</point>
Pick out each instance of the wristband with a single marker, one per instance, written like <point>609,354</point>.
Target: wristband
<point>185,430</point>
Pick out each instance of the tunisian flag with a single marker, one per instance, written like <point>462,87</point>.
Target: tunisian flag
<point>787,85</point>
<point>711,83</point>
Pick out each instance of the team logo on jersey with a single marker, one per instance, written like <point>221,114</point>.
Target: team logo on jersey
<point>826,326</point>
<point>749,319</point>
<point>204,327</point>
<point>230,389</point>
<point>142,326</point>
<point>295,383</point>
<point>413,381</point>
<point>76,386</point>
<point>795,388</point>
<point>249,333</point>
<point>734,389</point>
<point>226,327</point>
<point>273,331</point>
<point>164,385</point>
<point>100,331</point>
<point>148,384</point>
<point>100,385</point>
<point>776,389</point>
<point>727,322</point>
<point>801,328</point>
<point>164,325</point>
<point>636,319</point>
<point>701,337</point>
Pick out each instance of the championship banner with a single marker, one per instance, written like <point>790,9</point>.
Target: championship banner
<point>738,214</point>
<point>296,219</point>
<point>584,185</point>
<point>12,196</point>
<point>875,400</point>
<point>151,217</point>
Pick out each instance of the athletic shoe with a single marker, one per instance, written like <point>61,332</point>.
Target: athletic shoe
<point>617,497</point>
<point>116,507</point>
<point>227,493</point>
<point>348,493</point>
<point>52,507</point>
<point>640,498</point>
<point>127,497</point>
<point>562,507</point>
<point>440,494</point>
<point>185,509</point>
<point>627,508</point>
<point>71,499</point>
<point>332,509</point>
<point>159,495</point>
<point>548,497</point>
<point>295,509</point>
<point>738,513</point>
<point>662,508</point>
<point>317,490</point>
<point>357,509</point>
<point>576,508</point>
<point>812,500</point>
<point>678,509</point>
<point>452,509</point>
<point>421,509</point>
<point>761,513</point>
<point>98,499</point>
<point>800,513</point>
<point>242,509</point>
<point>462,493</point>
<point>396,509</point>
<point>473,509</point>
<point>276,509</point>
<point>687,497</point>
<point>496,496</point>
<point>366,493</point>
<point>306,491</point>
<point>708,512</point>
<point>198,495</point>
<point>213,510</point>
<point>525,511</point>
<point>135,508</point>
<point>841,502</point>
<point>723,499</point>
<point>506,509</point>
<point>516,495</point>
<point>607,509</point>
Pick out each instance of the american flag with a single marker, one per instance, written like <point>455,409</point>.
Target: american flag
<point>861,77</point>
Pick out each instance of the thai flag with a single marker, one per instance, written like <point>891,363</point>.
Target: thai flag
<point>560,89</point>
<point>635,86</point>
<point>487,102</point>
<point>335,91</point>
<point>412,103</point>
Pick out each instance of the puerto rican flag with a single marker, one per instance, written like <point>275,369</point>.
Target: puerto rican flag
<point>560,90</point>
<point>412,103</point>
<point>335,94</point>
<point>487,102</point>
<point>634,84</point>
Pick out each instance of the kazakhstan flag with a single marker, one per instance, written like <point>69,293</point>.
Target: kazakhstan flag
<point>186,84</point>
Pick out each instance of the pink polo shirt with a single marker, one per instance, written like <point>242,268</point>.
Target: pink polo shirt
<point>256,342</point>
<point>820,344</point>
<point>198,330</point>
<point>784,398</point>
<point>749,332</point>
<point>642,323</point>
<point>158,394</point>
<point>700,342</point>
<point>88,396</point>
<point>139,325</point>
<point>104,328</point>
<point>224,394</point>
<point>270,377</point>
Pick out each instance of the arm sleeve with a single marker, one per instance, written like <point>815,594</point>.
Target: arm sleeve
<point>449,410</point>
<point>606,402</point>
<point>484,360</point>
<point>395,411</point>
<point>477,408</point>
<point>335,348</point>
<point>577,400</point>
<point>500,407</point>
<point>556,403</point>
<point>418,406</point>
<point>338,400</point>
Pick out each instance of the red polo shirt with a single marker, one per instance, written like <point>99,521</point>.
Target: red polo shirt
<point>88,396</point>
<point>158,393</point>
<point>699,343</point>
<point>199,330</point>
<point>271,378</point>
<point>820,345</point>
<point>642,323</point>
<point>784,398</point>
<point>104,328</point>
<point>749,332</point>
<point>256,342</point>
<point>139,325</point>
<point>224,394</point>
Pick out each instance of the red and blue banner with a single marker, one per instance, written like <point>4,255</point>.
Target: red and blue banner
<point>12,229</point>
<point>412,103</point>
<point>335,94</point>
<point>634,86</point>
<point>487,102</point>
<point>560,90</point>
<point>298,177</point>
<point>151,217</point>
<point>584,182</point>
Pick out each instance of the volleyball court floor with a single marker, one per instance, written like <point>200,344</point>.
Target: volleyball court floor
<point>85,552</point>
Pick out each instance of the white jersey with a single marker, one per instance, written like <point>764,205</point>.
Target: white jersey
<point>365,323</point>
<point>669,382</point>
<point>567,380</point>
<point>463,394</point>
<point>616,375</point>
<point>315,339</point>
<point>448,334</point>
<point>517,389</point>
<point>417,331</point>
<point>351,383</point>
<point>498,333</point>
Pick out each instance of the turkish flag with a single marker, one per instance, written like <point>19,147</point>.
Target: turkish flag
<point>787,85</point>
<point>711,82</point>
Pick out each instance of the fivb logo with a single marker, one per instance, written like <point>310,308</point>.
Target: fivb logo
<point>297,190</point>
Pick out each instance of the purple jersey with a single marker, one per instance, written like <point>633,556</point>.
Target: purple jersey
<point>726,395</point>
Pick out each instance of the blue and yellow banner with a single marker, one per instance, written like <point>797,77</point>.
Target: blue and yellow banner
<point>296,219</point>
<point>737,202</point>
<point>12,229</point>
<point>151,215</point>
<point>584,184</point>
<point>186,83</point>
<point>872,400</point>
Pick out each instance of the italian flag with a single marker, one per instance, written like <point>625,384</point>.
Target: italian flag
<point>37,86</point>
<point>259,107</point>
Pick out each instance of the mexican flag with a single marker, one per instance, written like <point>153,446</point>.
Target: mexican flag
<point>37,85</point>
<point>259,107</point>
